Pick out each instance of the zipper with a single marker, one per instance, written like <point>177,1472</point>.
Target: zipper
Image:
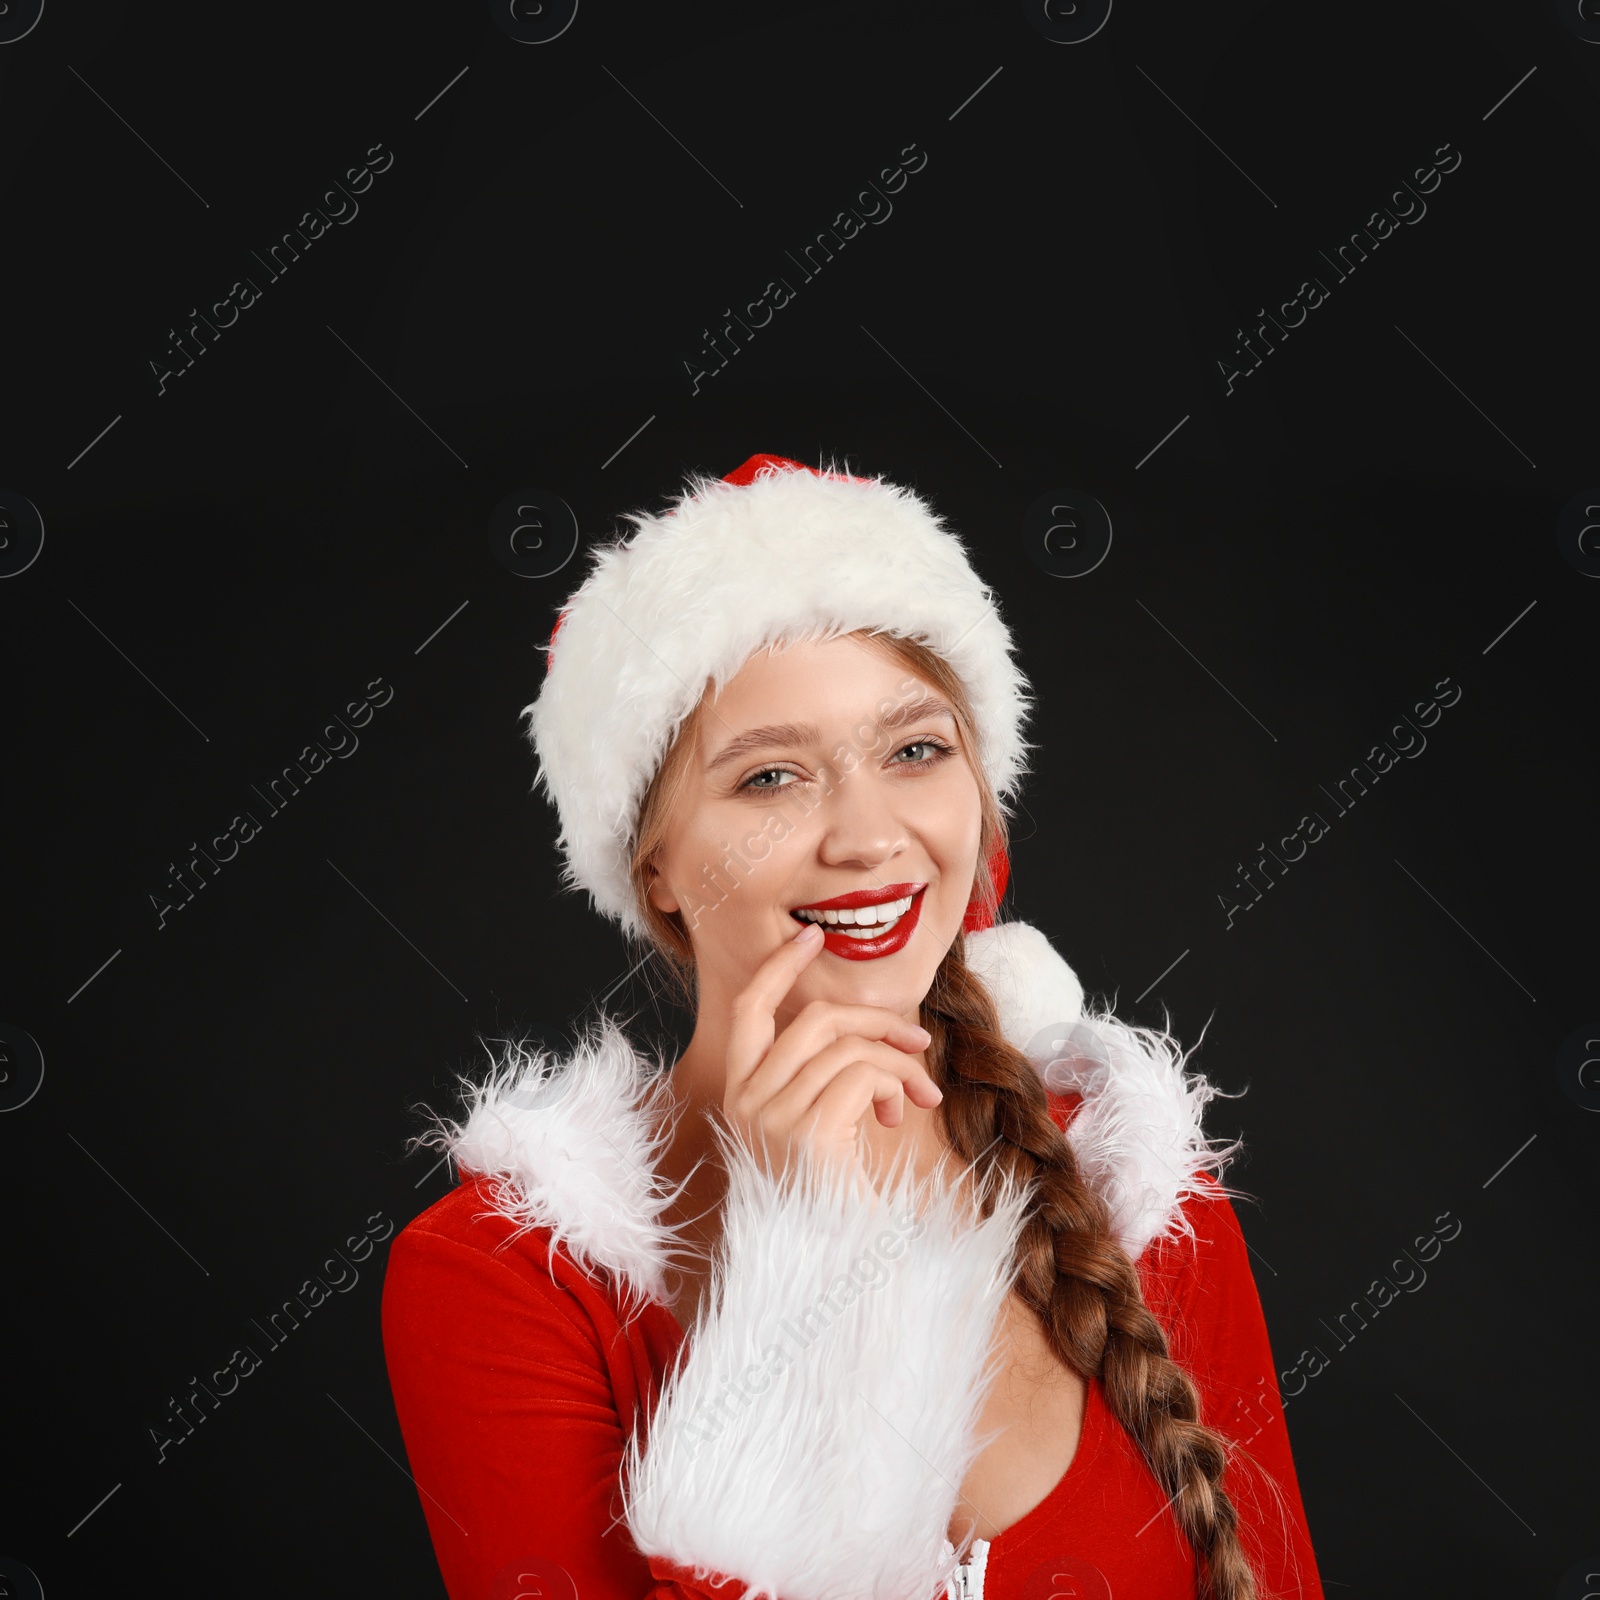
<point>966,1582</point>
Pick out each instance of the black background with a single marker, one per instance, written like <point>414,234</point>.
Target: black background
<point>305,511</point>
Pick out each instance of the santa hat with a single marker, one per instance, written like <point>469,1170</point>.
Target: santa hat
<point>774,553</point>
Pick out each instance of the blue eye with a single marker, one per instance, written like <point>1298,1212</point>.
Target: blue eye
<point>750,782</point>
<point>937,750</point>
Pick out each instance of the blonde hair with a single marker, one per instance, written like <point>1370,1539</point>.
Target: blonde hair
<point>995,1115</point>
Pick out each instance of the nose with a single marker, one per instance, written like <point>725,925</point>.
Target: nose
<point>862,828</point>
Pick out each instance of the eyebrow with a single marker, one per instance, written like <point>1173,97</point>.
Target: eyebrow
<point>736,749</point>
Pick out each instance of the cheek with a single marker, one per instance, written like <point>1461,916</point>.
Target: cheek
<point>950,822</point>
<point>953,842</point>
<point>731,869</point>
<point>775,845</point>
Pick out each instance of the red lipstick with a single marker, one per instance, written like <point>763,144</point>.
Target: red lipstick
<point>865,897</point>
<point>850,946</point>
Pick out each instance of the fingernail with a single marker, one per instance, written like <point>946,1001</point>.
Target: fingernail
<point>810,931</point>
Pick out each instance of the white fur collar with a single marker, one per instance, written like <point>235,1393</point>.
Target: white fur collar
<point>832,1319</point>
<point>573,1140</point>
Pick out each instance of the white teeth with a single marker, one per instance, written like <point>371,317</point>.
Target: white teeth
<point>862,922</point>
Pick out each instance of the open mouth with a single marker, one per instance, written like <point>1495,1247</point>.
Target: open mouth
<point>865,922</point>
<point>859,922</point>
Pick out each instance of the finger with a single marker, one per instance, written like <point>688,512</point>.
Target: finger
<point>791,1103</point>
<point>819,1025</point>
<point>753,1027</point>
<point>822,1023</point>
<point>830,1131</point>
<point>860,1087</point>
<point>821,1030</point>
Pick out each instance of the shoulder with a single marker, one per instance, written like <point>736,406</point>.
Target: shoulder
<point>466,1241</point>
<point>464,1216</point>
<point>1203,1229</point>
<point>565,1146</point>
<point>462,1233</point>
<point>1133,1113</point>
<point>1207,1234</point>
<point>1198,1279</point>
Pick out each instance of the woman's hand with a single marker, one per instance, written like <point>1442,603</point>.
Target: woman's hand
<point>812,1084</point>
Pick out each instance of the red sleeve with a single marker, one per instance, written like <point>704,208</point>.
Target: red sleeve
<point>1204,1294</point>
<point>512,1429</point>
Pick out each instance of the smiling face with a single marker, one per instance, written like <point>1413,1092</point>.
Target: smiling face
<point>821,771</point>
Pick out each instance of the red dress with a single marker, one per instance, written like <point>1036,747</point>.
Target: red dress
<point>518,1379</point>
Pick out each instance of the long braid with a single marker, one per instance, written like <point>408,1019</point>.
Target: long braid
<point>1074,1274</point>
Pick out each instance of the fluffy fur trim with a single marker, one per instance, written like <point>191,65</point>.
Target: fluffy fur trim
<point>796,1448</point>
<point>813,1441</point>
<point>1138,1134</point>
<point>977,1565</point>
<point>697,590</point>
<point>1036,993</point>
<point>572,1144</point>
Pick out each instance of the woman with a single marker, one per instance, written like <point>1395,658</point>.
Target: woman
<point>912,1275</point>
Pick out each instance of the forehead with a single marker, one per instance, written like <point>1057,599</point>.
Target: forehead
<point>841,678</point>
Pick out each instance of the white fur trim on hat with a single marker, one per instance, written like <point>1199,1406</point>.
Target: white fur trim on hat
<point>695,591</point>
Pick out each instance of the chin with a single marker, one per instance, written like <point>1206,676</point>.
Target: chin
<point>876,983</point>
